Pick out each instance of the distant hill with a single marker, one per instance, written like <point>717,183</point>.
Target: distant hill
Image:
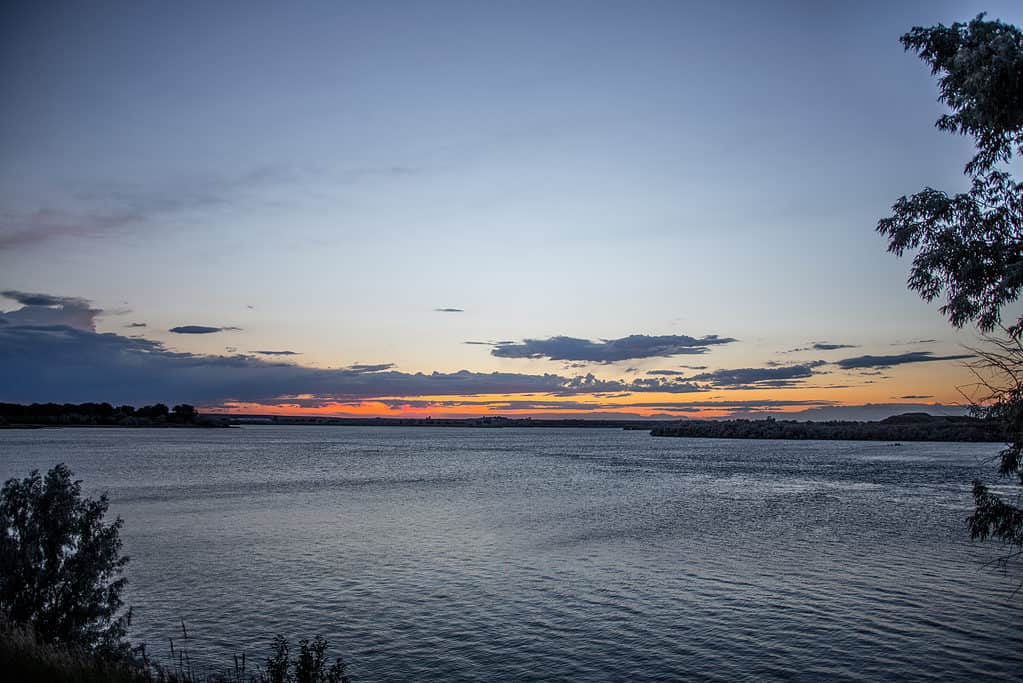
<point>905,427</point>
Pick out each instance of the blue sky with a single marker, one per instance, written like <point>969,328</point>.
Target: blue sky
<point>324,176</point>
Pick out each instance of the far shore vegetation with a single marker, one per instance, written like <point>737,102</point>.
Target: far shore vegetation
<point>906,427</point>
<point>104,415</point>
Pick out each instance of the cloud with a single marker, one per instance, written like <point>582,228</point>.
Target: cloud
<point>757,377</point>
<point>200,329</point>
<point>449,310</point>
<point>107,209</point>
<point>44,224</point>
<point>916,396</point>
<point>608,350</point>
<point>37,299</point>
<point>666,373</point>
<point>136,325</point>
<point>62,363</point>
<point>898,359</point>
<point>358,174</point>
<point>718,406</point>
<point>363,367</point>
<point>278,353</point>
<point>821,346</point>
<point>48,309</point>
<point>548,405</point>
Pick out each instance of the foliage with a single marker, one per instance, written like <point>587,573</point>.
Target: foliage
<point>970,245</point>
<point>103,414</point>
<point>184,413</point>
<point>999,371</point>
<point>908,427</point>
<point>309,666</point>
<point>981,80</point>
<point>24,657</point>
<point>60,564</point>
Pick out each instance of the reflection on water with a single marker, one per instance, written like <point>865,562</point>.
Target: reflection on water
<point>560,554</point>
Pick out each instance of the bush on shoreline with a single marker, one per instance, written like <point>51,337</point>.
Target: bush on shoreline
<point>26,657</point>
<point>61,616</point>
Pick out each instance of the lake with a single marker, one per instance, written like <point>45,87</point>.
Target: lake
<point>556,554</point>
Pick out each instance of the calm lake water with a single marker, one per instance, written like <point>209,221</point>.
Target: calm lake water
<point>516,554</point>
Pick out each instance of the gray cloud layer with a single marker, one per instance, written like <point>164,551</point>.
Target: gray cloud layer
<point>62,363</point>
<point>756,377</point>
<point>608,350</point>
<point>47,309</point>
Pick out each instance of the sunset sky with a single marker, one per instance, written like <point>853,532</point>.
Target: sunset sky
<point>464,208</point>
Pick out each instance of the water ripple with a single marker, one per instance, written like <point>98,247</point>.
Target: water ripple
<point>509,555</point>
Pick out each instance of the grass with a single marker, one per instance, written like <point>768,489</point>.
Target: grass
<point>24,657</point>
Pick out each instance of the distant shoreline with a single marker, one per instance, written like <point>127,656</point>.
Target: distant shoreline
<point>85,425</point>
<point>906,427</point>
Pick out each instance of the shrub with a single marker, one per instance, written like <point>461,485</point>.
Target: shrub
<point>310,666</point>
<point>60,564</point>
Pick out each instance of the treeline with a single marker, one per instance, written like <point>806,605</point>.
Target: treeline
<point>908,427</point>
<point>103,414</point>
<point>490,421</point>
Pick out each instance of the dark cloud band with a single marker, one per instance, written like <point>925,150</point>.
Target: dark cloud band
<point>898,359</point>
<point>58,362</point>
<point>608,350</point>
<point>753,377</point>
<point>200,329</point>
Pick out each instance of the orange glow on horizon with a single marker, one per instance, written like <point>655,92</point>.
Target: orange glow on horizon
<point>664,405</point>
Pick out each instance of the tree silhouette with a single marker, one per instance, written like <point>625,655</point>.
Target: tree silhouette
<point>60,564</point>
<point>969,246</point>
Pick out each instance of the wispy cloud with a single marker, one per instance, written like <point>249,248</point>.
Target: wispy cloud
<point>370,367</point>
<point>449,310</point>
<point>17,230</point>
<point>821,346</point>
<point>106,209</point>
<point>277,353</point>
